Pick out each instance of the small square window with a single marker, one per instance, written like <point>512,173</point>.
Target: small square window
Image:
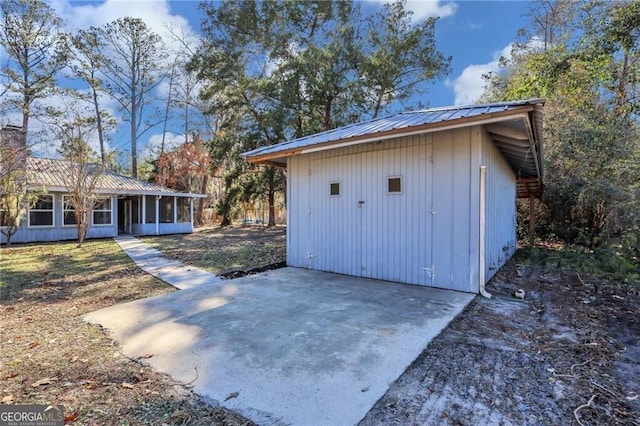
<point>394,185</point>
<point>334,189</point>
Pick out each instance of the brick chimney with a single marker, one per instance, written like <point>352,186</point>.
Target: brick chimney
<point>13,145</point>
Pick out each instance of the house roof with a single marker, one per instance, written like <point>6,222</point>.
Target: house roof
<point>52,175</point>
<point>515,128</point>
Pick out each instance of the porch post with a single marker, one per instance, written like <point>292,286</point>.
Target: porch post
<point>158,214</point>
<point>143,216</point>
<point>175,209</point>
<point>191,212</point>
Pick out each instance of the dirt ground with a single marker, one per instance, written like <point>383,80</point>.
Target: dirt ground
<point>568,354</point>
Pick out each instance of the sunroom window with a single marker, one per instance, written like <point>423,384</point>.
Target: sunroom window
<point>184,210</point>
<point>166,210</point>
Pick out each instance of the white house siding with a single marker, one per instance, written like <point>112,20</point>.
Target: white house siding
<point>500,228</point>
<point>427,235</point>
<point>58,232</point>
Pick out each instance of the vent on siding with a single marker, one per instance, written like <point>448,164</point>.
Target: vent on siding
<point>334,189</point>
<point>394,185</point>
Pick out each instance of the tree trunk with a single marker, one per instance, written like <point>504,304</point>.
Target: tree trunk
<point>327,113</point>
<point>225,220</point>
<point>270,199</point>
<point>82,233</point>
<point>134,153</point>
<point>202,201</point>
<point>8,236</point>
<point>167,109</point>
<point>134,126</point>
<point>26,111</point>
<point>621,90</point>
<point>103,155</point>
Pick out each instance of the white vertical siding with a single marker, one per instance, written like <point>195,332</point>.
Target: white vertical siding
<point>500,230</point>
<point>59,231</point>
<point>426,235</point>
<point>298,211</point>
<point>452,180</point>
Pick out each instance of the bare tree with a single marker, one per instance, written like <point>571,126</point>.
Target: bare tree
<point>14,195</point>
<point>552,20</point>
<point>30,34</point>
<point>133,57</point>
<point>85,63</point>
<point>80,172</point>
<point>183,88</point>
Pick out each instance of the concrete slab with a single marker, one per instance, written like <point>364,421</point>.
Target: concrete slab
<point>289,346</point>
<point>170,271</point>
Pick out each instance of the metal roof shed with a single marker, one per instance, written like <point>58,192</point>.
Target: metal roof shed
<point>424,197</point>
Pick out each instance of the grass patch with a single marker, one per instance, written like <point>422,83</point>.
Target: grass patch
<point>45,289</point>
<point>225,249</point>
<point>605,263</point>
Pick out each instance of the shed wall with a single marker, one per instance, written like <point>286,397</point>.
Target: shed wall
<point>426,235</point>
<point>501,216</point>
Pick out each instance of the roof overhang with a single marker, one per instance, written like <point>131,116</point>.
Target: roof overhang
<point>112,192</point>
<point>517,133</point>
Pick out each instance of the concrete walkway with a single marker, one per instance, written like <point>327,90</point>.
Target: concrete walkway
<point>170,271</point>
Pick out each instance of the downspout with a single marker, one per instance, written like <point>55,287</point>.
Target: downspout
<point>481,236</point>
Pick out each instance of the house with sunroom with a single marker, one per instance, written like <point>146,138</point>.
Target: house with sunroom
<point>122,205</point>
<point>422,197</point>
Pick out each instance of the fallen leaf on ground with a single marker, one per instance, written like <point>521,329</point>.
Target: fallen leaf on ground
<point>43,382</point>
<point>145,356</point>
<point>10,376</point>
<point>8,399</point>
<point>70,418</point>
<point>34,344</point>
<point>127,385</point>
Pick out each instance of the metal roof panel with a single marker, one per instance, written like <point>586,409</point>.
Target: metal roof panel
<point>50,173</point>
<point>393,122</point>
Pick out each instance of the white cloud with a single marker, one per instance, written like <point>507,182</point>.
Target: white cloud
<point>155,13</point>
<point>172,140</point>
<point>427,9</point>
<point>423,9</point>
<point>469,86</point>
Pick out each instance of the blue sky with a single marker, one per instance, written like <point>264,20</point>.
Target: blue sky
<point>474,33</point>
